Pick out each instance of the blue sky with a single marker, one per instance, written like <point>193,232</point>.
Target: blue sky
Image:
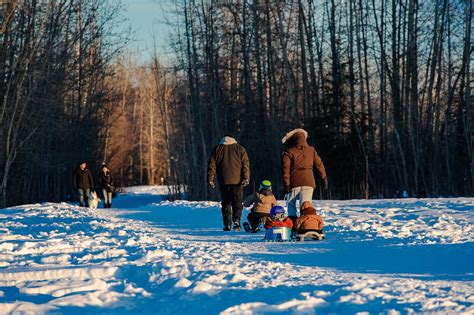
<point>146,18</point>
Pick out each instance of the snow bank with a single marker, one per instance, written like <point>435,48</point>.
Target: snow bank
<point>156,190</point>
<point>413,221</point>
<point>380,256</point>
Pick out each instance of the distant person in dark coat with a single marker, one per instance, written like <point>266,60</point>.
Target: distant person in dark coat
<point>107,184</point>
<point>83,183</point>
<point>230,162</point>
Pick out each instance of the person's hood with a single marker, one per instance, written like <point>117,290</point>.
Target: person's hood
<point>307,208</point>
<point>307,204</point>
<point>299,139</point>
<point>295,138</point>
<point>308,211</point>
<point>299,133</point>
<point>228,140</point>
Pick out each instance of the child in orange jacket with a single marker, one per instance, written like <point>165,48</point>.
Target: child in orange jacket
<point>309,220</point>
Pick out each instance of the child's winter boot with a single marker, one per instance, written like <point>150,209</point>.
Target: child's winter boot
<point>236,226</point>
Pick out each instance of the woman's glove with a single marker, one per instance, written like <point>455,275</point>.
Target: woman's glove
<point>325,182</point>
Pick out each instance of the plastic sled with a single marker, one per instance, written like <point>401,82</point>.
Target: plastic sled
<point>312,235</point>
<point>278,234</point>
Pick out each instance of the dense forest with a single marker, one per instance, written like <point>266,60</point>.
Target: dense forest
<point>384,88</point>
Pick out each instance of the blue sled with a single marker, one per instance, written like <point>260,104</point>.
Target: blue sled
<point>278,234</point>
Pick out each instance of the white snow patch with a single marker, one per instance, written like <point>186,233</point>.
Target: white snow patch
<point>61,288</point>
<point>202,287</point>
<point>305,306</point>
<point>183,283</point>
<point>56,259</point>
<point>76,273</point>
<point>97,260</point>
<point>136,291</point>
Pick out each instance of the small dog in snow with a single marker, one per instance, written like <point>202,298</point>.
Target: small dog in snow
<point>93,200</point>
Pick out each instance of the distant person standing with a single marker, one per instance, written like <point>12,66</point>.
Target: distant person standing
<point>107,184</point>
<point>229,160</point>
<point>298,163</point>
<point>83,183</point>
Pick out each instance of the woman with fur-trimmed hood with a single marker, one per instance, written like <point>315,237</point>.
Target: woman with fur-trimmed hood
<point>298,163</point>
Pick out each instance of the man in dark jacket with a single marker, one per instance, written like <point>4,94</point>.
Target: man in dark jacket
<point>83,183</point>
<point>230,162</point>
<point>298,163</point>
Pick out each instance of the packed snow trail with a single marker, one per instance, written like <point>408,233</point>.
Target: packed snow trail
<point>163,257</point>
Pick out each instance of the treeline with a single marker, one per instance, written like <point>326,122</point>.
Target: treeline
<point>138,148</point>
<point>383,87</point>
<point>55,93</point>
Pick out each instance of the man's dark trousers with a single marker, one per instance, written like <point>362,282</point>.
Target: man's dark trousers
<point>231,203</point>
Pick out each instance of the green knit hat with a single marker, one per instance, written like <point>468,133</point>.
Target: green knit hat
<point>265,184</point>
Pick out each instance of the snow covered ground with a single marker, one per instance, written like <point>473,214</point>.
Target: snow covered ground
<point>151,256</point>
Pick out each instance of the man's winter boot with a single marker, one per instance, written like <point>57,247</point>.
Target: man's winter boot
<point>227,222</point>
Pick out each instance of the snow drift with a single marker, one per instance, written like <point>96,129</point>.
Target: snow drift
<point>152,256</point>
